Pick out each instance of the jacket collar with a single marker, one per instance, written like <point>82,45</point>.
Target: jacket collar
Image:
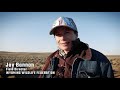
<point>80,48</point>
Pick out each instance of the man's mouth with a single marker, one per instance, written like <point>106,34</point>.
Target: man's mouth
<point>65,43</point>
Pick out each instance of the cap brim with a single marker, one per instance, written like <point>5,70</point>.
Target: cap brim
<point>53,29</point>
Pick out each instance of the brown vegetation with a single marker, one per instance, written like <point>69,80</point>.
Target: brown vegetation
<point>39,59</point>
<point>115,60</point>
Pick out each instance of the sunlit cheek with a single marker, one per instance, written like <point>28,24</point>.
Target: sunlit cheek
<point>74,37</point>
<point>58,42</point>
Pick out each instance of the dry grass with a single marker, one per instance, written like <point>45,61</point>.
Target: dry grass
<point>115,61</point>
<point>12,57</point>
<point>39,59</point>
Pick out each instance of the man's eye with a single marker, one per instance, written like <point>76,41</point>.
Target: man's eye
<point>58,34</point>
<point>67,32</point>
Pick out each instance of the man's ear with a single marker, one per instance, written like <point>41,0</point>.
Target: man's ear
<point>76,35</point>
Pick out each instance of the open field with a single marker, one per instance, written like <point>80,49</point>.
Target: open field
<point>115,60</point>
<point>39,59</point>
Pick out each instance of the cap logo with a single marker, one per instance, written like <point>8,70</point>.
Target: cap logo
<point>64,21</point>
<point>60,22</point>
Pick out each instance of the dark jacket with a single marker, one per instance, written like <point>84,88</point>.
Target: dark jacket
<point>81,62</point>
<point>98,67</point>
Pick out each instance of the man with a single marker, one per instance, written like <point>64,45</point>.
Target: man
<point>74,58</point>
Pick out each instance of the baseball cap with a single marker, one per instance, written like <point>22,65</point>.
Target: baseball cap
<point>63,22</point>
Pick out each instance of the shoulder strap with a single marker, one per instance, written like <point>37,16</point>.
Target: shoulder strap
<point>48,62</point>
<point>75,67</point>
<point>54,65</point>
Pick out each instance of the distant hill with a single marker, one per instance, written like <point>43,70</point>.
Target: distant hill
<point>5,52</point>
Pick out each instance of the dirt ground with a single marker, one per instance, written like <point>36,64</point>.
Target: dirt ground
<point>115,60</point>
<point>39,59</point>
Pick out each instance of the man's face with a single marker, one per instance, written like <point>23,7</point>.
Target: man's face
<point>64,37</point>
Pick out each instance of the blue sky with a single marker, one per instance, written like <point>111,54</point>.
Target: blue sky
<point>29,31</point>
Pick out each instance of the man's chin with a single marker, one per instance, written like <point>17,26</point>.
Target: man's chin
<point>65,49</point>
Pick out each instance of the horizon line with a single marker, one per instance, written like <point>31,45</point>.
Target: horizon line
<point>41,52</point>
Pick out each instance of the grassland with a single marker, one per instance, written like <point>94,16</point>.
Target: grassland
<point>39,59</point>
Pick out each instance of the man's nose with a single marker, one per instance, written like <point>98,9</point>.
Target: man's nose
<point>63,37</point>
